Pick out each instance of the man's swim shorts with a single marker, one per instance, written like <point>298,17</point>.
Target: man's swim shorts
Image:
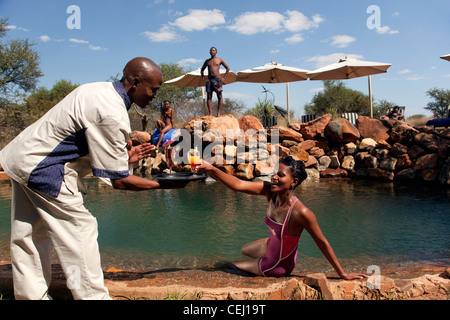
<point>214,84</point>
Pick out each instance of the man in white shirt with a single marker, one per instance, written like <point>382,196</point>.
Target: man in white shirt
<point>87,131</point>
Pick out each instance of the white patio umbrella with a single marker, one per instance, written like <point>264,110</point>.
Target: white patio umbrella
<point>194,79</point>
<point>350,68</point>
<point>273,72</point>
<point>446,57</point>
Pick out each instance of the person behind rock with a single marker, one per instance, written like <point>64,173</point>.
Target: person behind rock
<point>394,114</point>
<point>86,132</point>
<point>165,124</point>
<point>286,218</point>
<point>214,82</point>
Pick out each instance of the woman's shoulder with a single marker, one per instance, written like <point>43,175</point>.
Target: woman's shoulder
<point>301,210</point>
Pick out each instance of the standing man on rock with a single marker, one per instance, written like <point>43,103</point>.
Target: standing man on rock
<point>214,82</point>
<point>88,131</point>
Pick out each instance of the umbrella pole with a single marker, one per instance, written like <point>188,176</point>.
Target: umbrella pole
<point>204,99</point>
<point>370,97</point>
<point>287,103</point>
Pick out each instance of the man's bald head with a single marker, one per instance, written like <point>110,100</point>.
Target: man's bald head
<point>141,79</point>
<point>140,67</point>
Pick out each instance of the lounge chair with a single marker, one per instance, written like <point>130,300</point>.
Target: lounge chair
<point>351,117</point>
<point>443,122</point>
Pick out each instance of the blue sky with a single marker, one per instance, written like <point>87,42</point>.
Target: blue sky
<point>411,35</point>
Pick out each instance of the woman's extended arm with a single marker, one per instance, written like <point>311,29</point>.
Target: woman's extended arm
<point>234,183</point>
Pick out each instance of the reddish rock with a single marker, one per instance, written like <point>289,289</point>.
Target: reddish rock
<point>289,143</point>
<point>406,174</point>
<point>312,161</point>
<point>263,169</point>
<point>245,171</point>
<point>323,144</point>
<point>220,127</point>
<point>380,174</point>
<point>427,141</point>
<point>402,133</point>
<point>295,126</point>
<point>317,152</point>
<point>307,144</point>
<point>415,151</point>
<point>283,151</point>
<point>319,282</point>
<point>429,175</point>
<point>403,162</point>
<point>316,127</point>
<point>285,133</point>
<point>428,161</point>
<point>139,137</point>
<point>341,130</point>
<point>372,128</point>
<point>334,173</point>
<point>298,153</point>
<point>398,149</point>
<point>250,122</point>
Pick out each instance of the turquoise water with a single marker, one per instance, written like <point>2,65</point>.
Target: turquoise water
<point>366,222</point>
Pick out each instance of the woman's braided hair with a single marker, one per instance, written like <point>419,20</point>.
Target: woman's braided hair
<point>297,168</point>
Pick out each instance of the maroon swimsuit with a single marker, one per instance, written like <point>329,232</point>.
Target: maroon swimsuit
<point>281,252</point>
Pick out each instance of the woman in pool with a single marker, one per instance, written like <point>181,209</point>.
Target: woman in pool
<point>286,218</point>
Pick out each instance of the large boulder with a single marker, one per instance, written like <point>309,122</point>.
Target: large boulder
<point>341,130</point>
<point>217,127</point>
<point>250,122</point>
<point>314,128</point>
<point>427,140</point>
<point>285,133</point>
<point>372,128</point>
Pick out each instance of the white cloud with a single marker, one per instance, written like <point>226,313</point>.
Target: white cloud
<point>297,21</point>
<point>188,61</point>
<point>96,48</point>
<point>165,34</point>
<point>321,61</point>
<point>342,41</point>
<point>295,38</point>
<point>255,22</point>
<point>274,51</point>
<point>386,30</point>
<point>415,78</point>
<point>250,23</point>
<point>45,38</point>
<point>316,90</point>
<point>198,20</point>
<point>238,96</point>
<point>78,41</point>
<point>404,71</point>
<point>13,27</point>
<point>91,46</point>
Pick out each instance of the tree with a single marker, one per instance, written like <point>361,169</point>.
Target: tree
<point>336,98</point>
<point>41,100</point>
<point>381,108</point>
<point>441,102</point>
<point>19,65</point>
